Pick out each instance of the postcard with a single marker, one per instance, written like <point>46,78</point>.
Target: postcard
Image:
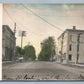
<point>43,42</point>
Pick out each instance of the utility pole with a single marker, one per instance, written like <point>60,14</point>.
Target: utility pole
<point>51,58</point>
<point>14,42</point>
<point>78,45</point>
<point>53,48</point>
<point>21,40</point>
<point>14,28</point>
<point>23,33</point>
<point>62,48</point>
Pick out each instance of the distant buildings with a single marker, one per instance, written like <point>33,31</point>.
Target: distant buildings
<point>71,46</point>
<point>8,44</point>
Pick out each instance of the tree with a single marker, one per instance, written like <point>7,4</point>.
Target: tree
<point>19,51</point>
<point>29,52</point>
<point>47,49</point>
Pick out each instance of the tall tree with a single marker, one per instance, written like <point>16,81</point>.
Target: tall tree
<point>47,49</point>
<point>29,52</point>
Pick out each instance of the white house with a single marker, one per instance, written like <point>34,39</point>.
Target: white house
<point>71,46</point>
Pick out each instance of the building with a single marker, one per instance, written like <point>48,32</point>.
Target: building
<point>71,46</point>
<point>8,44</point>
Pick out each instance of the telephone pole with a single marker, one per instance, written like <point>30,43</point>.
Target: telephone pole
<point>14,54</point>
<point>14,28</point>
<point>22,34</point>
<point>62,48</point>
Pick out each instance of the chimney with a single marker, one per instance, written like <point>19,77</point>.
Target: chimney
<point>74,27</point>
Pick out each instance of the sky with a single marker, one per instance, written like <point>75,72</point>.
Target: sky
<point>32,19</point>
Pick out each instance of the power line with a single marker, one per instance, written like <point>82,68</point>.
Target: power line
<point>42,18</point>
<point>14,21</point>
<point>8,14</point>
<point>20,24</point>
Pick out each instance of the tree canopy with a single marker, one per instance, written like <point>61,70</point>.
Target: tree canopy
<point>47,49</point>
<point>29,52</point>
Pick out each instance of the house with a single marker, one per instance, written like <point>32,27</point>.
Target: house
<point>71,46</point>
<point>8,43</point>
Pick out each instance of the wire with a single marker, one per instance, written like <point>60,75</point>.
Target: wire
<point>14,22</point>
<point>9,16</point>
<point>42,18</point>
<point>36,34</point>
<point>24,26</point>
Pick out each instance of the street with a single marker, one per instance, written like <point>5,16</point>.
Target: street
<point>41,71</point>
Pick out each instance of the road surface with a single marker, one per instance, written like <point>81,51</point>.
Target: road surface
<point>41,71</point>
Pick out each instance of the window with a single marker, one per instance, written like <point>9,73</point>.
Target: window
<point>70,57</point>
<point>70,47</point>
<point>70,37</point>
<point>77,47</point>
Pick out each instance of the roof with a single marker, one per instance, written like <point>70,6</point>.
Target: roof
<point>8,28</point>
<point>71,30</point>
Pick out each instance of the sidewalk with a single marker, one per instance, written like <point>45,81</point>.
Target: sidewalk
<point>72,64</point>
<point>75,65</point>
<point>81,65</point>
<point>7,62</point>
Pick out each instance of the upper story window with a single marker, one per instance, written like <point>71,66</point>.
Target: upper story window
<point>70,47</point>
<point>70,37</point>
